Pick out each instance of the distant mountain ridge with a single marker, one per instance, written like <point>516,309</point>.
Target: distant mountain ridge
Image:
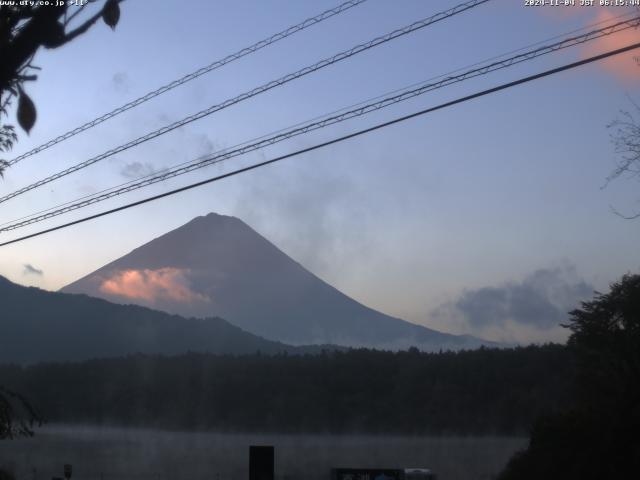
<point>217,265</point>
<point>41,326</point>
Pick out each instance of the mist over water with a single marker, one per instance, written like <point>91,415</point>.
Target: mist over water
<point>117,453</point>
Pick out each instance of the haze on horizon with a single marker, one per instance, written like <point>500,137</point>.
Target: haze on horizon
<point>487,218</point>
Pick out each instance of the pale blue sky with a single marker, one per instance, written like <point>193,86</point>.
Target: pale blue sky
<point>404,220</point>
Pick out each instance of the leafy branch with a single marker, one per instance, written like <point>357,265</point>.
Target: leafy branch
<point>23,30</point>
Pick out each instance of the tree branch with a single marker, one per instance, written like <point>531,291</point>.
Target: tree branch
<point>86,25</point>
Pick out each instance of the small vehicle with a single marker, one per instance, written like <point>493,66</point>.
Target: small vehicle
<point>419,474</point>
<point>382,474</point>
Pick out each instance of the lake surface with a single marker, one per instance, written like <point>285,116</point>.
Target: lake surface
<point>139,454</point>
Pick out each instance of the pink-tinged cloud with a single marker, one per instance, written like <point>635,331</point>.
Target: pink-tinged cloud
<point>152,285</point>
<point>624,66</point>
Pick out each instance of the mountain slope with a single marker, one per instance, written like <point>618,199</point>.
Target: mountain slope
<point>217,265</point>
<point>36,325</point>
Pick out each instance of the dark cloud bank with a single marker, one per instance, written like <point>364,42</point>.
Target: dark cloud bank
<point>541,300</point>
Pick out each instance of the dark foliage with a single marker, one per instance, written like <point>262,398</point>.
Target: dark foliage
<point>480,391</point>
<point>25,27</point>
<point>17,416</point>
<point>6,475</point>
<point>597,437</point>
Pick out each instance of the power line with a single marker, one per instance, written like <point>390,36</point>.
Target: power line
<point>256,91</point>
<point>377,97</point>
<point>343,109</point>
<point>300,129</point>
<point>195,74</point>
<point>283,135</point>
<point>482,93</point>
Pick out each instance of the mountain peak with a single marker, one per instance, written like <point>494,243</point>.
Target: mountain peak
<point>217,265</point>
<point>215,217</point>
<point>211,220</point>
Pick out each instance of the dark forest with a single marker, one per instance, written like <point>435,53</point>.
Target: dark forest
<point>468,392</point>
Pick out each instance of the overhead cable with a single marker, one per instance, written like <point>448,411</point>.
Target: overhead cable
<point>192,76</point>
<point>251,93</point>
<point>361,110</point>
<point>482,93</point>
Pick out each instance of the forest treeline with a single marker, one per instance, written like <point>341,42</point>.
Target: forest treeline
<point>481,391</point>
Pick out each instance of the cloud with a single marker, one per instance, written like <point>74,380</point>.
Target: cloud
<point>204,144</point>
<point>152,285</point>
<point>31,270</point>
<point>120,82</point>
<point>529,310</point>
<point>192,146</point>
<point>324,209</point>
<point>623,66</point>
<point>137,170</point>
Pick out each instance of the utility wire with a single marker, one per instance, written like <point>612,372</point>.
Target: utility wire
<point>115,187</point>
<point>262,142</point>
<point>193,75</point>
<point>377,97</point>
<point>256,91</point>
<point>451,72</point>
<point>358,133</point>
